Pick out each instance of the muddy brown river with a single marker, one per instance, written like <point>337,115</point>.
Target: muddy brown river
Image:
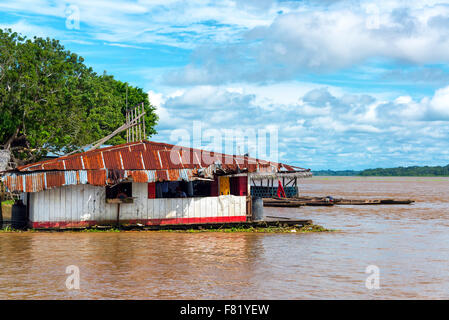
<point>408,243</point>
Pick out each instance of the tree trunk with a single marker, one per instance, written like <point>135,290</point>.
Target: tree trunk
<point>5,156</point>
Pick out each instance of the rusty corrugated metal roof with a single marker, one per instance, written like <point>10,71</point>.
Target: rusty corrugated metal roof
<point>142,161</point>
<point>147,155</point>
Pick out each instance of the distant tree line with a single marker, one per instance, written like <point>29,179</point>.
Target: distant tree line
<point>414,171</point>
<point>335,173</point>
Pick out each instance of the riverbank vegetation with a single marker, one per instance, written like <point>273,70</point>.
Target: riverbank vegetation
<point>414,171</point>
<point>305,229</point>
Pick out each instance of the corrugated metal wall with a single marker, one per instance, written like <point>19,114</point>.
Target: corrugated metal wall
<point>83,205</point>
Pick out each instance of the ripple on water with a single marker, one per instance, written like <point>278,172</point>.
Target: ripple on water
<point>410,244</point>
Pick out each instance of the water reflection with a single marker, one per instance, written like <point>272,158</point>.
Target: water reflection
<point>127,265</point>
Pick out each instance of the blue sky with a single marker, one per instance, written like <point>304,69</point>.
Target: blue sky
<point>346,84</point>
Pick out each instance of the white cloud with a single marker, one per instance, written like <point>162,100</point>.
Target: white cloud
<point>25,28</point>
<point>246,54</point>
<point>439,105</point>
<point>314,39</point>
<point>178,23</point>
<point>322,126</point>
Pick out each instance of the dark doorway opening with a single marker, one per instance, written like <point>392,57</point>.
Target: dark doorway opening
<point>120,191</point>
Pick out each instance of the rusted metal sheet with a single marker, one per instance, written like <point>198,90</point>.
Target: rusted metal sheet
<point>138,147</point>
<point>93,161</point>
<point>73,163</point>
<point>150,156</point>
<point>132,160</point>
<point>54,179</point>
<point>112,160</point>
<point>142,161</point>
<point>138,176</point>
<point>161,175</point>
<point>54,165</point>
<point>188,159</point>
<point>28,182</point>
<point>171,159</point>
<point>38,181</point>
<point>151,160</point>
<point>97,177</point>
<point>173,175</point>
<point>14,183</point>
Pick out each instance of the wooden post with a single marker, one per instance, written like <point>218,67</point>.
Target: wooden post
<point>1,200</point>
<point>143,120</point>
<point>129,129</point>
<point>296,186</point>
<point>131,138</point>
<point>249,202</point>
<point>126,121</point>
<point>118,216</point>
<point>28,202</point>
<point>136,112</point>
<point>134,122</point>
<point>140,125</point>
<point>248,185</point>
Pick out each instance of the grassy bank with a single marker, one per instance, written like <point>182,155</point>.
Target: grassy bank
<point>304,229</point>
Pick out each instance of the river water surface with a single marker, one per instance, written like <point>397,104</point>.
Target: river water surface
<point>408,243</point>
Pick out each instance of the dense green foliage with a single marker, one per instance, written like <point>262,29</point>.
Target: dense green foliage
<point>415,171</point>
<point>51,102</point>
<point>335,173</point>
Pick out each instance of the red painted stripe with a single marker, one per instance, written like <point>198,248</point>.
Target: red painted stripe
<point>147,222</point>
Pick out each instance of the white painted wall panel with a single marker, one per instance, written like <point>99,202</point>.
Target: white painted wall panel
<point>178,207</point>
<point>156,210</point>
<point>68,204</point>
<point>87,203</point>
<point>141,202</point>
<point>150,208</point>
<point>190,208</point>
<point>204,211</point>
<point>197,204</point>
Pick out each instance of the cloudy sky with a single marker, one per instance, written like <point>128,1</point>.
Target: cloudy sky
<point>346,84</point>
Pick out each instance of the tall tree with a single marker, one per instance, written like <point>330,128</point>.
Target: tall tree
<point>50,101</point>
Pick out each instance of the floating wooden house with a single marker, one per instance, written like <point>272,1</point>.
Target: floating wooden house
<point>143,183</point>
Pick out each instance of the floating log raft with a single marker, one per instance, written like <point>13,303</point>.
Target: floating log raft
<point>281,203</point>
<point>371,201</point>
<point>328,201</point>
<point>293,202</point>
